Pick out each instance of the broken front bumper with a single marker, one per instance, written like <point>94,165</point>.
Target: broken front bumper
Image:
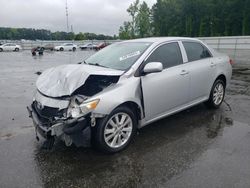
<point>77,131</point>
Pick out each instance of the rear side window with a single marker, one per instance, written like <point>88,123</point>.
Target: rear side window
<point>168,54</point>
<point>196,51</point>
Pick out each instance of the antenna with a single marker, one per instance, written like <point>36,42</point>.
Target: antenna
<point>67,16</point>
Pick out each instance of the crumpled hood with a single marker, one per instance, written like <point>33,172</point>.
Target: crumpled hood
<point>65,79</point>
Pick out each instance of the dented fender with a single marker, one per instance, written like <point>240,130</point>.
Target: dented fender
<point>126,90</point>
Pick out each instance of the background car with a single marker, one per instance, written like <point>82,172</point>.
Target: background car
<point>37,50</point>
<point>10,47</point>
<point>101,46</point>
<point>87,46</point>
<point>66,47</point>
<point>48,47</point>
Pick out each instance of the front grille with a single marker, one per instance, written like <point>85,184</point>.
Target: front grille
<point>47,114</point>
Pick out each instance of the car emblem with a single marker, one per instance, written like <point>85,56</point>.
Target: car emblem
<point>39,106</point>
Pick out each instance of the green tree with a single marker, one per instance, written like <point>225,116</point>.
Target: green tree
<point>125,31</point>
<point>143,20</point>
<point>133,11</point>
<point>79,36</point>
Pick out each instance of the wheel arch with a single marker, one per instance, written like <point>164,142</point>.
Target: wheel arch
<point>134,106</point>
<point>222,77</point>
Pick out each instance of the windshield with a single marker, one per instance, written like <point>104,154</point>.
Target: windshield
<point>119,56</point>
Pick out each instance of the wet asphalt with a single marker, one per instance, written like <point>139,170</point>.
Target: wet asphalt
<point>194,148</point>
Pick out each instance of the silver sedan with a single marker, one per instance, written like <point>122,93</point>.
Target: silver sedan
<point>124,87</point>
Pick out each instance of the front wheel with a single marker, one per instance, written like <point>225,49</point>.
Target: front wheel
<point>114,132</point>
<point>216,95</point>
<point>74,49</point>
<point>1,49</point>
<point>61,49</point>
<point>16,49</point>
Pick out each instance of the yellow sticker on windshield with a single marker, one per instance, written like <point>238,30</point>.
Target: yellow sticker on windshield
<point>129,55</point>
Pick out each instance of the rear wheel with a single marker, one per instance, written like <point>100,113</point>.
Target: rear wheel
<point>216,95</point>
<point>1,49</point>
<point>74,49</point>
<point>16,49</point>
<point>114,132</point>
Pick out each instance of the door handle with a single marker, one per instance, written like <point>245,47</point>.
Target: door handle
<point>212,64</point>
<point>184,72</point>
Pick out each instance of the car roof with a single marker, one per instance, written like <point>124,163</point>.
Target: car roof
<point>162,39</point>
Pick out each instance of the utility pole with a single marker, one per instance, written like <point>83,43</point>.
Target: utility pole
<point>67,16</point>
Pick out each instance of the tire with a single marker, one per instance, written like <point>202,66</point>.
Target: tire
<point>102,141</point>
<point>219,88</point>
<point>61,49</point>
<point>16,49</point>
<point>1,49</point>
<point>74,49</point>
<point>42,49</point>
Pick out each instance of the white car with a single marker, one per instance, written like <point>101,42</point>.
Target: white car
<point>67,47</point>
<point>10,47</point>
<point>87,46</point>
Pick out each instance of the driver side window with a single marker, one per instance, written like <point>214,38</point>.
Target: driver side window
<point>168,54</point>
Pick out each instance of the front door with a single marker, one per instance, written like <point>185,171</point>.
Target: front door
<point>168,90</point>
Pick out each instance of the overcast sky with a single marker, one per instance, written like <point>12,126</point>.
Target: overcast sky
<point>98,16</point>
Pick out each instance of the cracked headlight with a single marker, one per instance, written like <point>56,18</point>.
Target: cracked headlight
<point>77,109</point>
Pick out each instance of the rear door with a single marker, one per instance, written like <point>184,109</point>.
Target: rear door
<point>7,47</point>
<point>167,90</point>
<point>201,69</point>
<point>12,47</point>
<point>69,46</point>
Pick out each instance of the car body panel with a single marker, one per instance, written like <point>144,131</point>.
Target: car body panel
<point>160,96</point>
<point>67,78</point>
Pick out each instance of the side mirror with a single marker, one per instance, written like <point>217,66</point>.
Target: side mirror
<point>153,67</point>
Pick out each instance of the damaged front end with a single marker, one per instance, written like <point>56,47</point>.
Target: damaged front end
<point>62,108</point>
<point>51,122</point>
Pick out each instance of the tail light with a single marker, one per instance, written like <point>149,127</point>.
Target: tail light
<point>231,61</point>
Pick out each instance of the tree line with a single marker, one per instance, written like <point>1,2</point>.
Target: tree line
<point>42,34</point>
<point>192,18</point>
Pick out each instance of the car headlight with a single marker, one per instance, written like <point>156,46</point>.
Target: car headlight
<point>78,108</point>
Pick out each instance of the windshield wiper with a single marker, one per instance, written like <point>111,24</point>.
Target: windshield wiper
<point>82,62</point>
<point>97,64</point>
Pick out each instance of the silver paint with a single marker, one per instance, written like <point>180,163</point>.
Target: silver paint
<point>65,79</point>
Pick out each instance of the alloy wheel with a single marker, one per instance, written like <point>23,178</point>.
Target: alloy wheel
<point>118,130</point>
<point>218,93</point>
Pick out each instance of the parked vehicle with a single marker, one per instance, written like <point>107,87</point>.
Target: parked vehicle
<point>48,47</point>
<point>100,46</point>
<point>36,50</point>
<point>66,47</point>
<point>126,86</point>
<point>88,46</point>
<point>10,47</point>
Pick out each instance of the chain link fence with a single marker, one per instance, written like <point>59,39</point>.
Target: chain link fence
<point>238,47</point>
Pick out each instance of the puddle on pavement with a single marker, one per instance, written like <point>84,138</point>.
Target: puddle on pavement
<point>7,136</point>
<point>164,149</point>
